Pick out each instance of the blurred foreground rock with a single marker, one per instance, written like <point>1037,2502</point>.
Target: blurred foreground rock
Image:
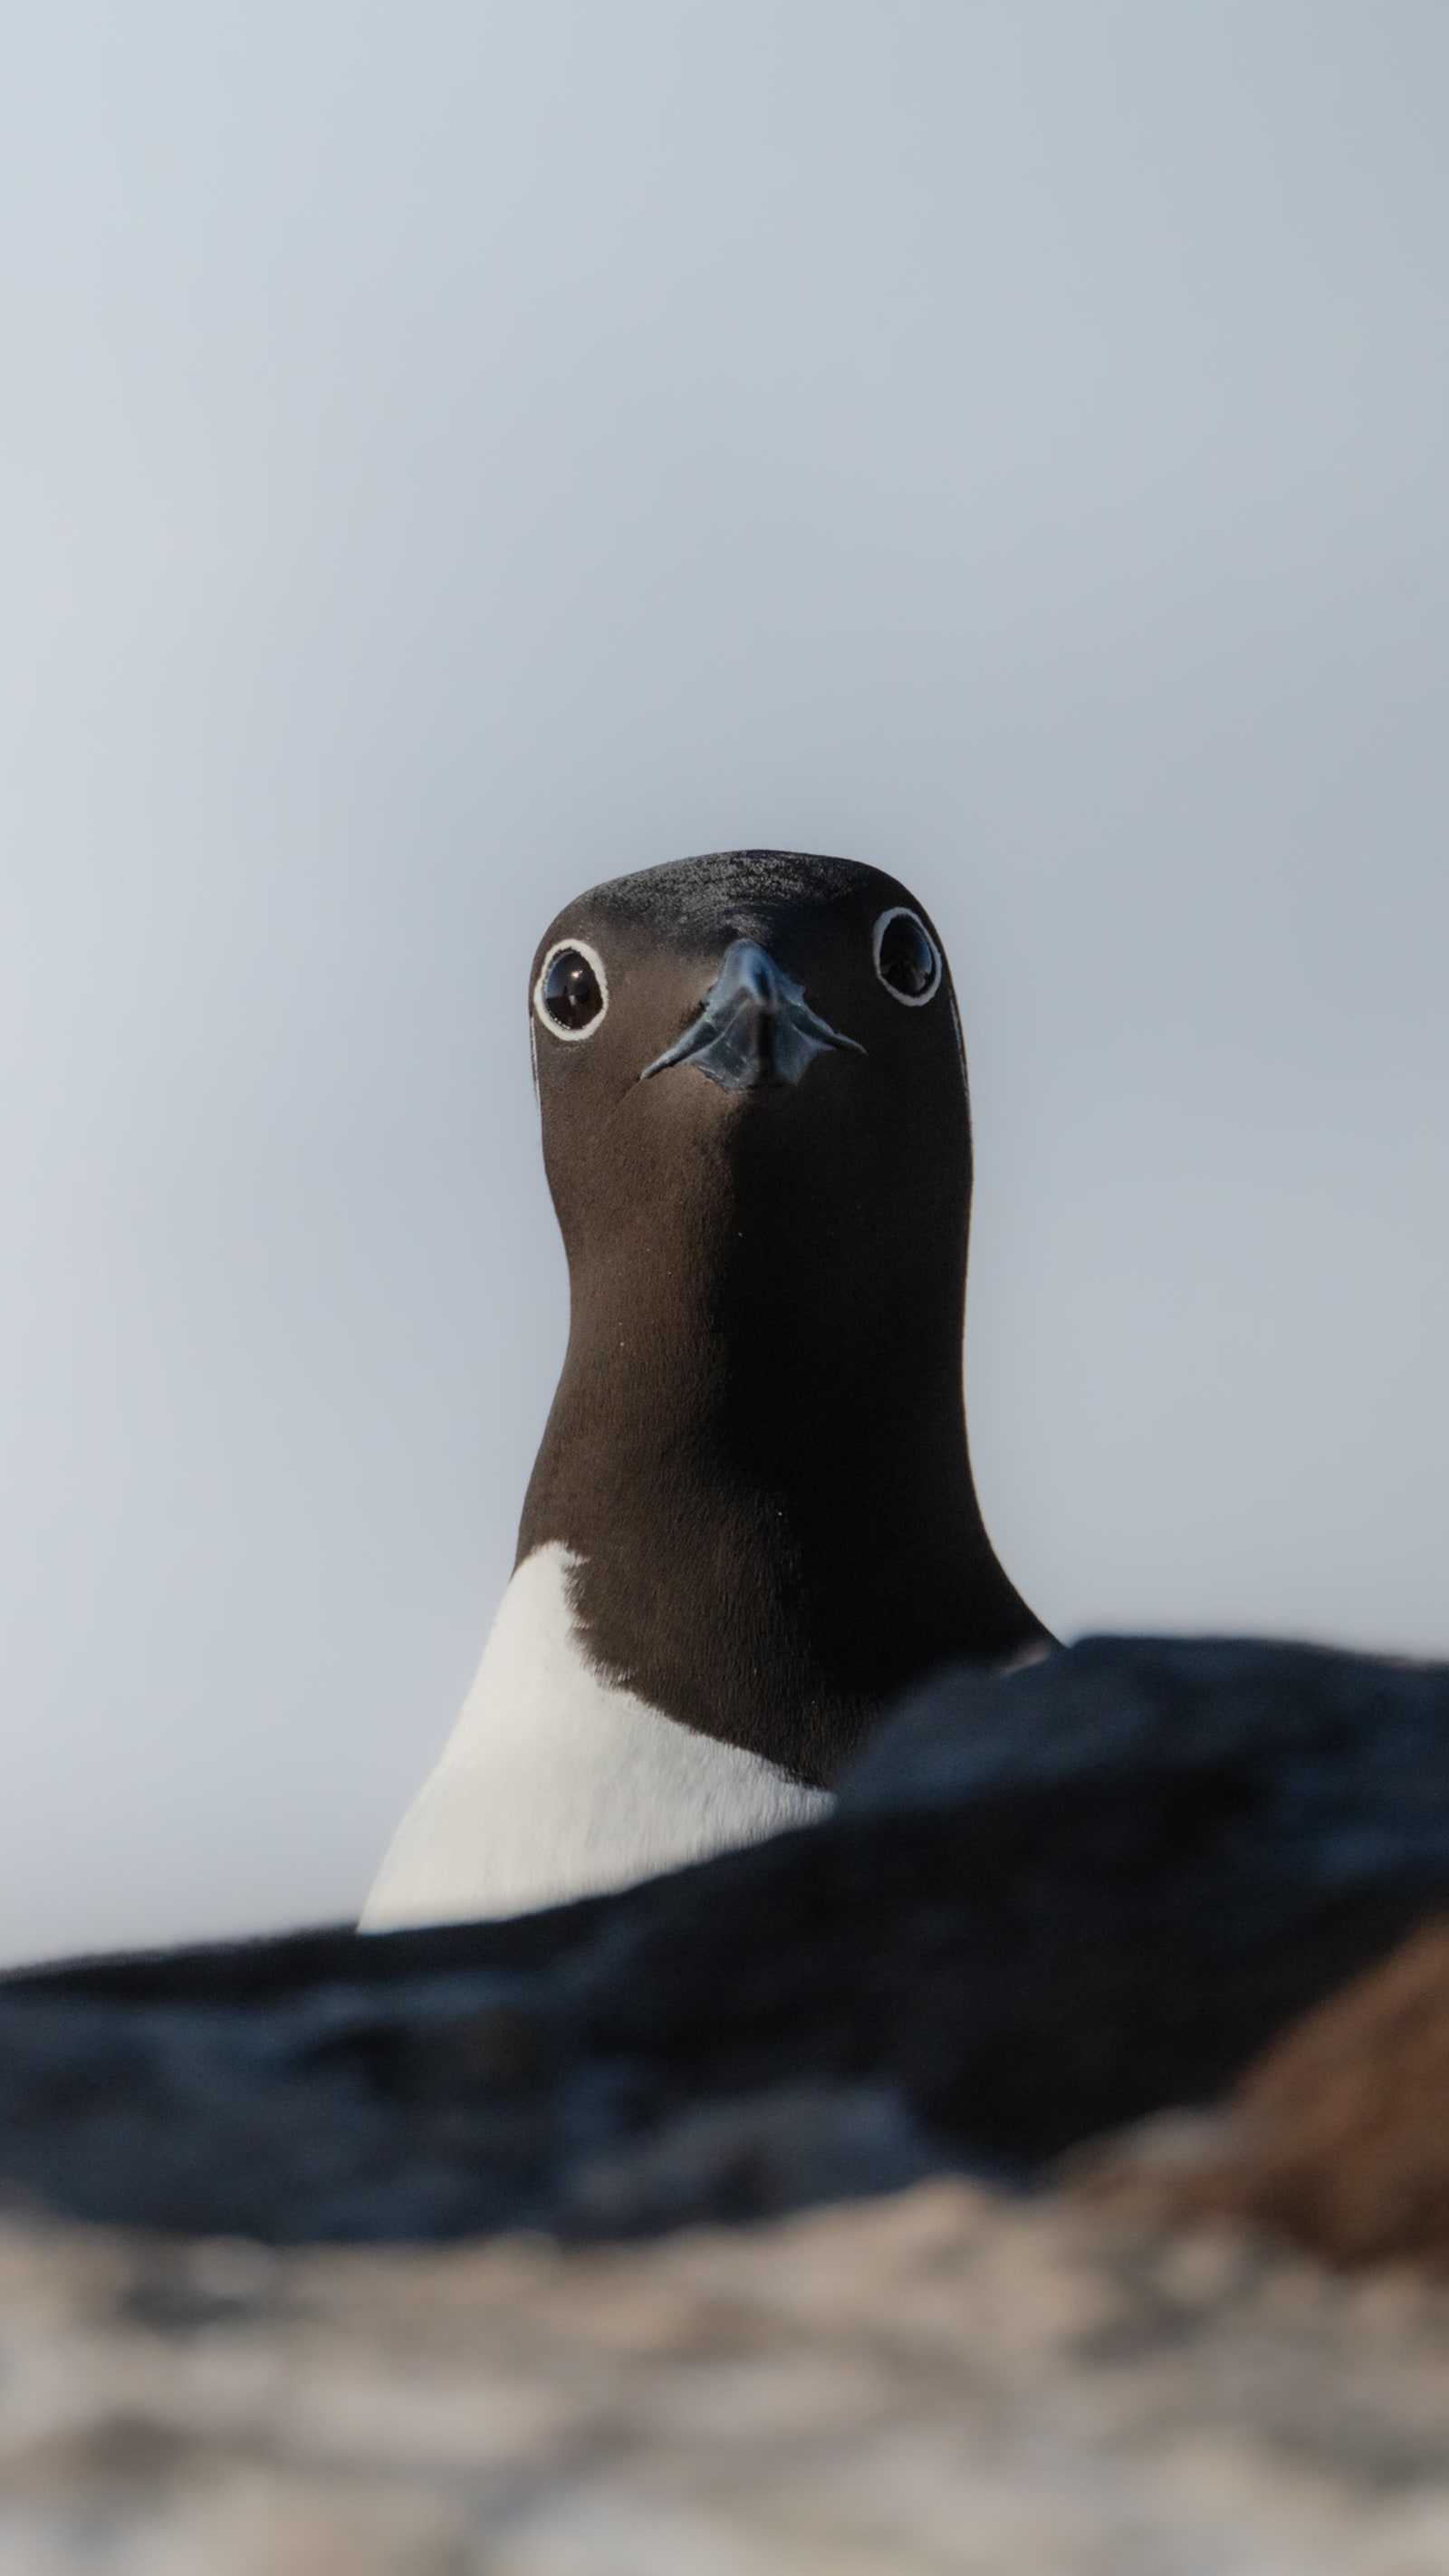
<point>950,2382</point>
<point>1338,2137</point>
<point>1198,1889</point>
<point>1049,1905</point>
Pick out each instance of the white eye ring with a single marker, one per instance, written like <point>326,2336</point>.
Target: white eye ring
<point>591,957</point>
<point>912,1001</point>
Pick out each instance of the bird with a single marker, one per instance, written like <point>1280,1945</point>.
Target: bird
<point>752,1520</point>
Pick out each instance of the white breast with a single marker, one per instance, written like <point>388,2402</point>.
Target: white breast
<point>556,1784</point>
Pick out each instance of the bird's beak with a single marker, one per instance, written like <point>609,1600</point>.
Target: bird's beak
<point>755,1026</point>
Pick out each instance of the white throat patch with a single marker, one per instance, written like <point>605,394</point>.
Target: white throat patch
<point>555,1784</point>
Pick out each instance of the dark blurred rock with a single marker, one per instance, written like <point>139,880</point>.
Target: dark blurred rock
<point>1350,1753</point>
<point>1049,1904</point>
<point>755,2155</point>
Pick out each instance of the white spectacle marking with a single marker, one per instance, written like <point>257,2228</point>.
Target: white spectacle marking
<point>555,1028</point>
<point>555,1784</point>
<point>912,1001</point>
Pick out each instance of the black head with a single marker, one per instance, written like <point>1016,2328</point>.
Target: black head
<point>756,1134</point>
<point>756,1026</point>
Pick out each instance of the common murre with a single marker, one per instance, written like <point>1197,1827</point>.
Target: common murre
<point>752,1519</point>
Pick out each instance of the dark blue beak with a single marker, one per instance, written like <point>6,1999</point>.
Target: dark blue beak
<point>756,1026</point>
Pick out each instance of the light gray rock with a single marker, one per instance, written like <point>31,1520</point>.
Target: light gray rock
<point>941,2383</point>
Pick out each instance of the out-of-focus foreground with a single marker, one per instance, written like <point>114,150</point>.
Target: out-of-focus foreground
<point>944,2380</point>
<point>1158,1928</point>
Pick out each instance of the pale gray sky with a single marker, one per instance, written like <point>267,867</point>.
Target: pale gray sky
<point>453,453</point>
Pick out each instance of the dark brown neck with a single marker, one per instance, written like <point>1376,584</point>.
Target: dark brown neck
<point>764,1477</point>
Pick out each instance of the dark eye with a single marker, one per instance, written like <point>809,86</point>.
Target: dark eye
<point>907,959</point>
<point>571,994</point>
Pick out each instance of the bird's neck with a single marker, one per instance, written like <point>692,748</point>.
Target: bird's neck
<point>770,1503</point>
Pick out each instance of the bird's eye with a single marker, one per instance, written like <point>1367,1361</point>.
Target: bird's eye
<point>572,992</point>
<point>907,959</point>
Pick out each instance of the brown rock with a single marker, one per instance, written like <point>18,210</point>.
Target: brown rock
<point>1338,2135</point>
